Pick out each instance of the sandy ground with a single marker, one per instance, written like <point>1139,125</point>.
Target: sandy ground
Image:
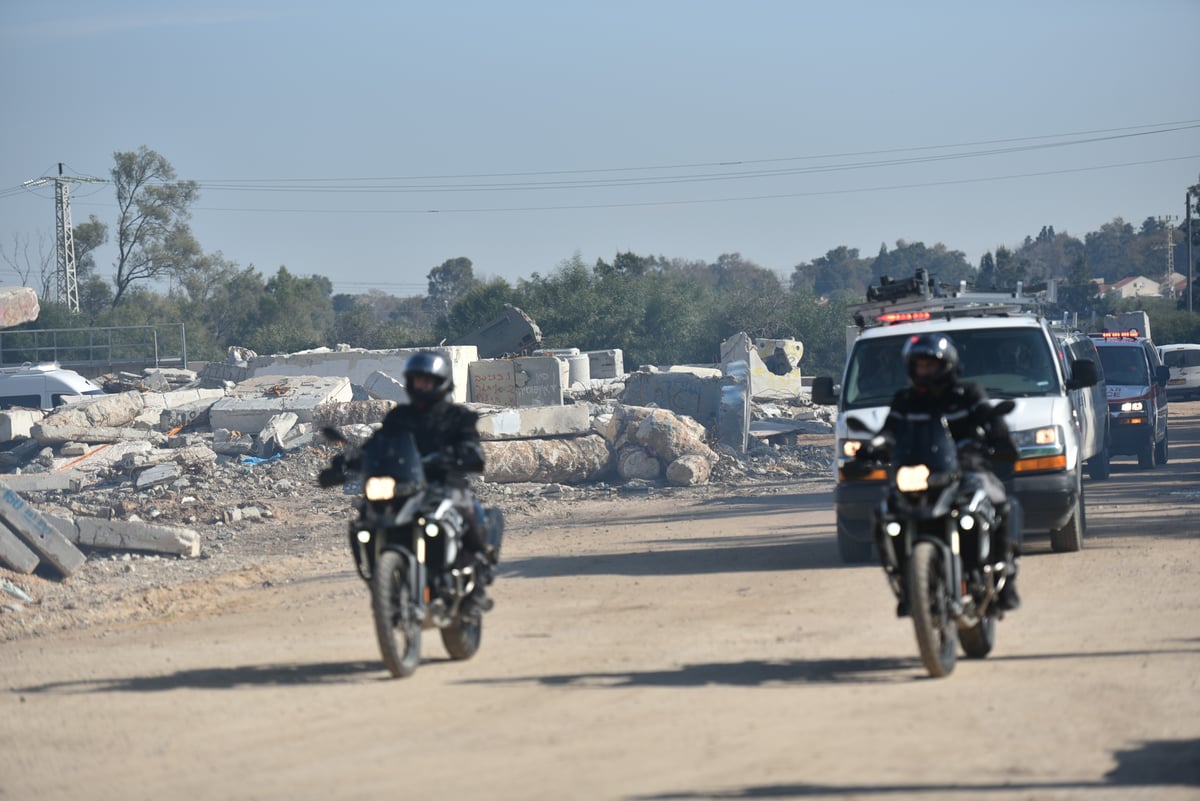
<point>672,645</point>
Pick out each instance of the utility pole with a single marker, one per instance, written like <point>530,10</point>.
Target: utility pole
<point>1187,203</point>
<point>68,285</point>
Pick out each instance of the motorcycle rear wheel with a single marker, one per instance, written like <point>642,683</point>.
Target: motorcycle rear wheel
<point>462,637</point>
<point>929,604</point>
<point>396,626</point>
<point>977,641</point>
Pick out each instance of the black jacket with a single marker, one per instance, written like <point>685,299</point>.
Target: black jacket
<point>445,429</point>
<point>969,415</point>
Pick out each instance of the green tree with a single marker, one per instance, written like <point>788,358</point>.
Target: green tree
<point>153,237</point>
<point>447,283</point>
<point>293,313</point>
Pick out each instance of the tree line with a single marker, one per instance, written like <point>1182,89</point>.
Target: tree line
<point>657,310</point>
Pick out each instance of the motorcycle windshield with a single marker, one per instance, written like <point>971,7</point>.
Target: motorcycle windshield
<point>395,456</point>
<point>925,440</point>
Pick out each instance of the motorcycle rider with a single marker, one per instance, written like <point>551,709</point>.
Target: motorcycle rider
<point>932,363</point>
<point>448,440</point>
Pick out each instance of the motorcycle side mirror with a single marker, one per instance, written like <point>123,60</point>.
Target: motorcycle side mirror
<point>333,435</point>
<point>1004,407</point>
<point>854,424</point>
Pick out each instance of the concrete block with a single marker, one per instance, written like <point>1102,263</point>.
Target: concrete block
<point>358,364</point>
<point>129,535</point>
<point>249,405</point>
<point>564,461</point>
<point>733,418</point>
<point>534,422</point>
<point>682,393</point>
<point>523,381</point>
<point>216,374</point>
<point>187,414</point>
<point>606,363</point>
<point>38,532</point>
<point>270,439</point>
<point>16,554</point>
<point>157,475</point>
<point>232,443</point>
<point>382,386</point>
<point>45,482</point>
<point>16,423</point>
<point>774,364</point>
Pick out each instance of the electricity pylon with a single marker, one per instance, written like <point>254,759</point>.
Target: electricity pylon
<point>68,284</point>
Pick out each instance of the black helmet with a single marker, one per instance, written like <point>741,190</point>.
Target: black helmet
<point>431,364</point>
<point>931,346</point>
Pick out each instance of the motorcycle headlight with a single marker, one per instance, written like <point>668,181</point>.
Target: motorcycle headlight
<point>363,536</point>
<point>912,478</point>
<point>380,488</point>
<point>966,522</point>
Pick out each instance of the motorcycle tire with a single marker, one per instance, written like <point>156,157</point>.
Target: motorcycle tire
<point>977,641</point>
<point>396,626</point>
<point>929,605</point>
<point>463,636</point>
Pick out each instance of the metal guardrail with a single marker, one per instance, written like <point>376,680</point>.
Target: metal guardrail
<point>91,349</point>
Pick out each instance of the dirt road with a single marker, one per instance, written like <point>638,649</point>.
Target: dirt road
<point>665,648</point>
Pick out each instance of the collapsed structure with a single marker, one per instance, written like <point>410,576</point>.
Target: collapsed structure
<point>550,417</point>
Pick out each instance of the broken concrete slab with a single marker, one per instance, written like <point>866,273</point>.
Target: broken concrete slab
<point>566,461</point>
<point>188,414</point>
<point>269,441</point>
<point>232,443</point>
<point>249,405</point>
<point>157,476</point>
<point>110,411</point>
<point>778,426</point>
<point>155,404</point>
<point>130,535</point>
<point>196,453</point>
<point>38,532</point>
<point>533,422</point>
<point>337,415</point>
<point>48,434</point>
<point>733,417</point>
<point>21,453</point>
<point>16,554</point>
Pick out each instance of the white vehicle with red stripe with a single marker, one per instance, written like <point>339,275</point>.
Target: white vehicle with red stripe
<point>1137,395</point>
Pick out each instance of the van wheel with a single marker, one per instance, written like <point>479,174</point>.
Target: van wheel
<point>1160,450</point>
<point>1147,456</point>
<point>1098,465</point>
<point>1070,536</point>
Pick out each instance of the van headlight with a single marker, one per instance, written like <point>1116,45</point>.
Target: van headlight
<point>1045,441</point>
<point>849,448</point>
<point>1132,406</point>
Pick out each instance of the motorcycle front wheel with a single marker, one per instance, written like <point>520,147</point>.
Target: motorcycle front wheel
<point>396,626</point>
<point>929,604</point>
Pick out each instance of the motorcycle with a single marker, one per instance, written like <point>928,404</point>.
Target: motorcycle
<point>407,541</point>
<point>934,530</point>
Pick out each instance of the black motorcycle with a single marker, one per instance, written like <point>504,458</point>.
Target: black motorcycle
<point>407,541</point>
<point>934,531</point>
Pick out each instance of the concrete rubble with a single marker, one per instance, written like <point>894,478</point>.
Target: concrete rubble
<point>145,467</point>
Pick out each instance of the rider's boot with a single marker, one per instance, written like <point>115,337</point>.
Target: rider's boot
<point>479,598</point>
<point>1005,548</point>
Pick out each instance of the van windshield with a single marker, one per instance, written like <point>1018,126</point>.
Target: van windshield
<point>1006,362</point>
<point>1124,365</point>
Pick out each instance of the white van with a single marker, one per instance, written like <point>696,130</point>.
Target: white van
<point>1184,361</point>
<point>1011,354</point>
<point>42,386</point>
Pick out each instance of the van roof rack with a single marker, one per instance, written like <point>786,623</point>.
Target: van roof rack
<point>29,367</point>
<point>925,299</point>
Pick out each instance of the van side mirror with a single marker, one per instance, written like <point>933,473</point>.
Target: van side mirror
<point>1083,374</point>
<point>822,391</point>
<point>1162,374</point>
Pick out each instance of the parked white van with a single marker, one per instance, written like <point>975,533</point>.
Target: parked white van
<point>1011,354</point>
<point>42,386</point>
<point>1184,361</point>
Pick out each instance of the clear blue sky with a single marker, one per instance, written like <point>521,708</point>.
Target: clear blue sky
<point>371,141</point>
